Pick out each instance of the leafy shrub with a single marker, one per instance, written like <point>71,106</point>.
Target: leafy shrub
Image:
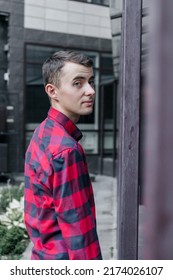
<point>8,193</point>
<point>9,240</point>
<point>13,242</point>
<point>4,199</point>
<point>14,238</point>
<point>14,214</point>
<point>3,231</point>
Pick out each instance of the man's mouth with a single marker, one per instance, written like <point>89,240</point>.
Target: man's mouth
<point>88,102</point>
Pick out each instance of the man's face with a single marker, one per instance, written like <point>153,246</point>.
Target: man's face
<point>75,95</point>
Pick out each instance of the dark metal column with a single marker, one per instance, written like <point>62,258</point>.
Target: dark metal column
<point>101,129</point>
<point>114,126</point>
<point>128,154</point>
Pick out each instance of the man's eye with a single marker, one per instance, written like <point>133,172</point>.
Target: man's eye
<point>77,84</point>
<point>92,84</point>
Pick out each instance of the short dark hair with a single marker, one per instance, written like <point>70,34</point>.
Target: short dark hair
<point>52,67</point>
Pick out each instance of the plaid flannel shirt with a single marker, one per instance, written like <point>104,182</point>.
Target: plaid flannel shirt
<point>59,203</point>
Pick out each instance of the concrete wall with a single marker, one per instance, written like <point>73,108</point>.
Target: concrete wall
<point>69,17</point>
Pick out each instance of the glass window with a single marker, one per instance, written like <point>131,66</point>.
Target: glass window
<point>90,141</point>
<point>116,6</point>
<point>108,143</point>
<point>37,104</point>
<point>106,61</point>
<point>34,75</point>
<point>38,54</point>
<point>106,69</point>
<point>36,101</point>
<point>107,81</point>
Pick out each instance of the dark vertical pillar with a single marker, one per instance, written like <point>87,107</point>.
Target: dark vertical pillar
<point>101,128</point>
<point>128,153</point>
<point>14,53</point>
<point>114,127</point>
<point>159,136</point>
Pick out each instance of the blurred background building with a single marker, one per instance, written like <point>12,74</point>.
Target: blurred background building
<point>30,31</point>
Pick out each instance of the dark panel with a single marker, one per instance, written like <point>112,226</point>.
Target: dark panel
<point>5,6</point>
<point>16,20</point>
<point>17,8</point>
<point>16,84</point>
<point>92,43</point>
<point>93,164</point>
<point>75,41</point>
<point>17,32</point>
<point>56,38</point>
<point>128,141</point>
<point>16,55</point>
<point>34,35</point>
<point>67,40</point>
<point>106,45</point>
<point>3,157</point>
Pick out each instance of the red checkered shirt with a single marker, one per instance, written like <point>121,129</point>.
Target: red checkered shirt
<point>59,203</point>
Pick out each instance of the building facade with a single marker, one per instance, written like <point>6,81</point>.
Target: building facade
<point>30,31</point>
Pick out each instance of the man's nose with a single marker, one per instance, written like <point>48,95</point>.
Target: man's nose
<point>89,89</point>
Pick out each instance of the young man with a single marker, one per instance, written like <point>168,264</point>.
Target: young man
<point>59,203</point>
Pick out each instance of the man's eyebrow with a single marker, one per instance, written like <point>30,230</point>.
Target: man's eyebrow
<point>82,78</point>
<point>79,77</point>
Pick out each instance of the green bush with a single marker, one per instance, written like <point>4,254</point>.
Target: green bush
<point>4,199</point>
<point>20,247</point>
<point>12,242</point>
<point>8,193</point>
<point>13,235</point>
<point>3,231</point>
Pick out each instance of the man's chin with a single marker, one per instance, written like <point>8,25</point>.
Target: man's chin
<point>87,112</point>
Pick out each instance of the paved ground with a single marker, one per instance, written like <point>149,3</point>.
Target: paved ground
<point>105,189</point>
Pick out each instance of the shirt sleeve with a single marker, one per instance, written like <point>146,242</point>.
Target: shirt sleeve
<point>74,205</point>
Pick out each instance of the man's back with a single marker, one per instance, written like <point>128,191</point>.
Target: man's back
<point>59,202</point>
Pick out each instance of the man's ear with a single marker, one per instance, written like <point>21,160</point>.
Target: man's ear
<point>51,90</point>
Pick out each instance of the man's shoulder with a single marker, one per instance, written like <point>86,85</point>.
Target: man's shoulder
<point>52,138</point>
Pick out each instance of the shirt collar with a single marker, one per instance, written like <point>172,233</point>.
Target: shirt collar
<point>71,128</point>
